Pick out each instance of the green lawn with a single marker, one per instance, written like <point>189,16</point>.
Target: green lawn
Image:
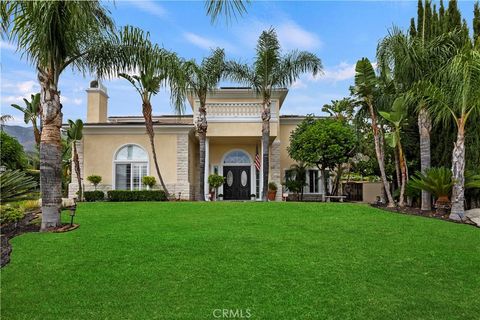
<point>279,260</point>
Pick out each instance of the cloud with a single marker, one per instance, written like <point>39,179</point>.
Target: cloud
<point>66,100</point>
<point>206,43</point>
<point>340,72</point>
<point>28,87</point>
<point>7,46</point>
<point>292,36</point>
<point>151,7</point>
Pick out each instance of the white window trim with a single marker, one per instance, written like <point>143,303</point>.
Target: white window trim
<point>115,162</point>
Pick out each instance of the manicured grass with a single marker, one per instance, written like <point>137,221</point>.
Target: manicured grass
<point>280,260</point>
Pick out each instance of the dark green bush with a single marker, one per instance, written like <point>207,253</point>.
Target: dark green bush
<point>10,214</point>
<point>91,196</point>
<point>137,195</point>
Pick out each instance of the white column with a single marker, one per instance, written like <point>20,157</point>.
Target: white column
<point>261,170</point>
<point>207,166</point>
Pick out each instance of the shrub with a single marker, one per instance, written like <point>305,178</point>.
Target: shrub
<point>215,180</point>
<point>149,181</point>
<point>30,205</point>
<point>10,214</point>
<point>91,196</point>
<point>95,180</point>
<point>14,184</point>
<point>137,195</point>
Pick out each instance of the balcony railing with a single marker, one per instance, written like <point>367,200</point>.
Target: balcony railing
<point>236,111</point>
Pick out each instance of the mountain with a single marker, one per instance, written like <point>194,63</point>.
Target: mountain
<point>24,135</point>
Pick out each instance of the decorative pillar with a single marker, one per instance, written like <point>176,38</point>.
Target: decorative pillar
<point>207,167</point>
<point>275,174</point>
<point>261,170</point>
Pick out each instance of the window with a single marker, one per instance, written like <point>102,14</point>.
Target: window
<point>236,157</point>
<point>131,165</point>
<point>313,181</point>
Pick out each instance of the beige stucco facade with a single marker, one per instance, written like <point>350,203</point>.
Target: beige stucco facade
<point>118,149</point>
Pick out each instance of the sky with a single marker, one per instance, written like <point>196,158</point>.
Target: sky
<point>339,32</point>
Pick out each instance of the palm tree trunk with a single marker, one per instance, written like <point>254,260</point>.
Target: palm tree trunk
<point>50,152</point>
<point>397,168</point>
<point>458,175</point>
<point>77,171</point>
<point>380,156</point>
<point>266,115</point>
<point>36,134</point>
<point>147,115</point>
<point>403,170</point>
<point>424,128</point>
<point>202,136</point>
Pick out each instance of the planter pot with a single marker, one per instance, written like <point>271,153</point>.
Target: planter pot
<point>442,206</point>
<point>271,195</point>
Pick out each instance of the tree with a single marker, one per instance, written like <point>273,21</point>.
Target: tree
<point>228,8</point>
<point>324,143</point>
<point>202,79</point>
<point>367,89</point>
<point>31,112</point>
<point>75,134</point>
<point>476,23</point>
<point>12,156</point>
<point>454,94</point>
<point>340,109</point>
<point>271,70</point>
<point>296,179</point>
<point>95,180</point>
<point>4,118</point>
<point>55,35</point>
<point>396,117</point>
<point>155,67</point>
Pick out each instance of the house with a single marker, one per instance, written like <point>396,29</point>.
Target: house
<point>118,149</point>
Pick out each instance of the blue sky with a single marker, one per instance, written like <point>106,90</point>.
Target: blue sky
<point>339,32</point>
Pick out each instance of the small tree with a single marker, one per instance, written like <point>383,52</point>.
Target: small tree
<point>149,181</point>
<point>95,180</point>
<point>31,113</point>
<point>12,155</point>
<point>324,143</point>
<point>215,181</point>
<point>296,179</point>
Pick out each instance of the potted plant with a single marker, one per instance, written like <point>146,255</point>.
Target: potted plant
<point>253,196</point>
<point>220,196</point>
<point>215,181</point>
<point>149,181</point>
<point>272,191</point>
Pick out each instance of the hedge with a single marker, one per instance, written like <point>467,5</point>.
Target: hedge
<point>137,195</point>
<point>91,196</point>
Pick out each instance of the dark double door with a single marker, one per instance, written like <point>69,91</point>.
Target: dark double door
<point>237,183</point>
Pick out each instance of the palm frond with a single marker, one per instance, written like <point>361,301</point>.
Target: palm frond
<point>227,8</point>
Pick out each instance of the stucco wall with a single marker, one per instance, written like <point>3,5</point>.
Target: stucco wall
<point>99,152</point>
<point>371,190</point>
<point>285,160</point>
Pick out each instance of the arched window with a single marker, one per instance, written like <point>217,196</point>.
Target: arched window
<point>131,165</point>
<point>236,157</point>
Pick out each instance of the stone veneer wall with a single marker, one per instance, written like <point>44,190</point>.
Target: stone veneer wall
<point>275,172</point>
<point>182,184</point>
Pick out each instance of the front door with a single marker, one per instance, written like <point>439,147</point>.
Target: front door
<point>237,183</point>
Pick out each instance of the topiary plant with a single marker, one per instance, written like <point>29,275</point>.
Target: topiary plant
<point>215,181</point>
<point>95,180</point>
<point>149,181</point>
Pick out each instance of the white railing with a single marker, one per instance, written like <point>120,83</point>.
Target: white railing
<point>235,111</point>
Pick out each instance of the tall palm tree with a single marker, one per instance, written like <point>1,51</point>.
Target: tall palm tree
<point>367,89</point>
<point>271,70</point>
<point>414,59</point>
<point>4,118</point>
<point>31,112</point>
<point>454,94</point>
<point>74,134</point>
<point>55,35</point>
<point>154,67</point>
<point>202,79</point>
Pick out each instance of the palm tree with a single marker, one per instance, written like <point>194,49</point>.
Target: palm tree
<point>31,112</point>
<point>55,35</point>
<point>74,134</point>
<point>202,79</point>
<point>455,95</point>
<point>155,67</point>
<point>4,118</point>
<point>340,109</point>
<point>227,8</point>
<point>414,59</point>
<point>368,89</point>
<point>271,70</point>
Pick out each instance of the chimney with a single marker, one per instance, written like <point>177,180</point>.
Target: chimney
<point>97,102</point>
